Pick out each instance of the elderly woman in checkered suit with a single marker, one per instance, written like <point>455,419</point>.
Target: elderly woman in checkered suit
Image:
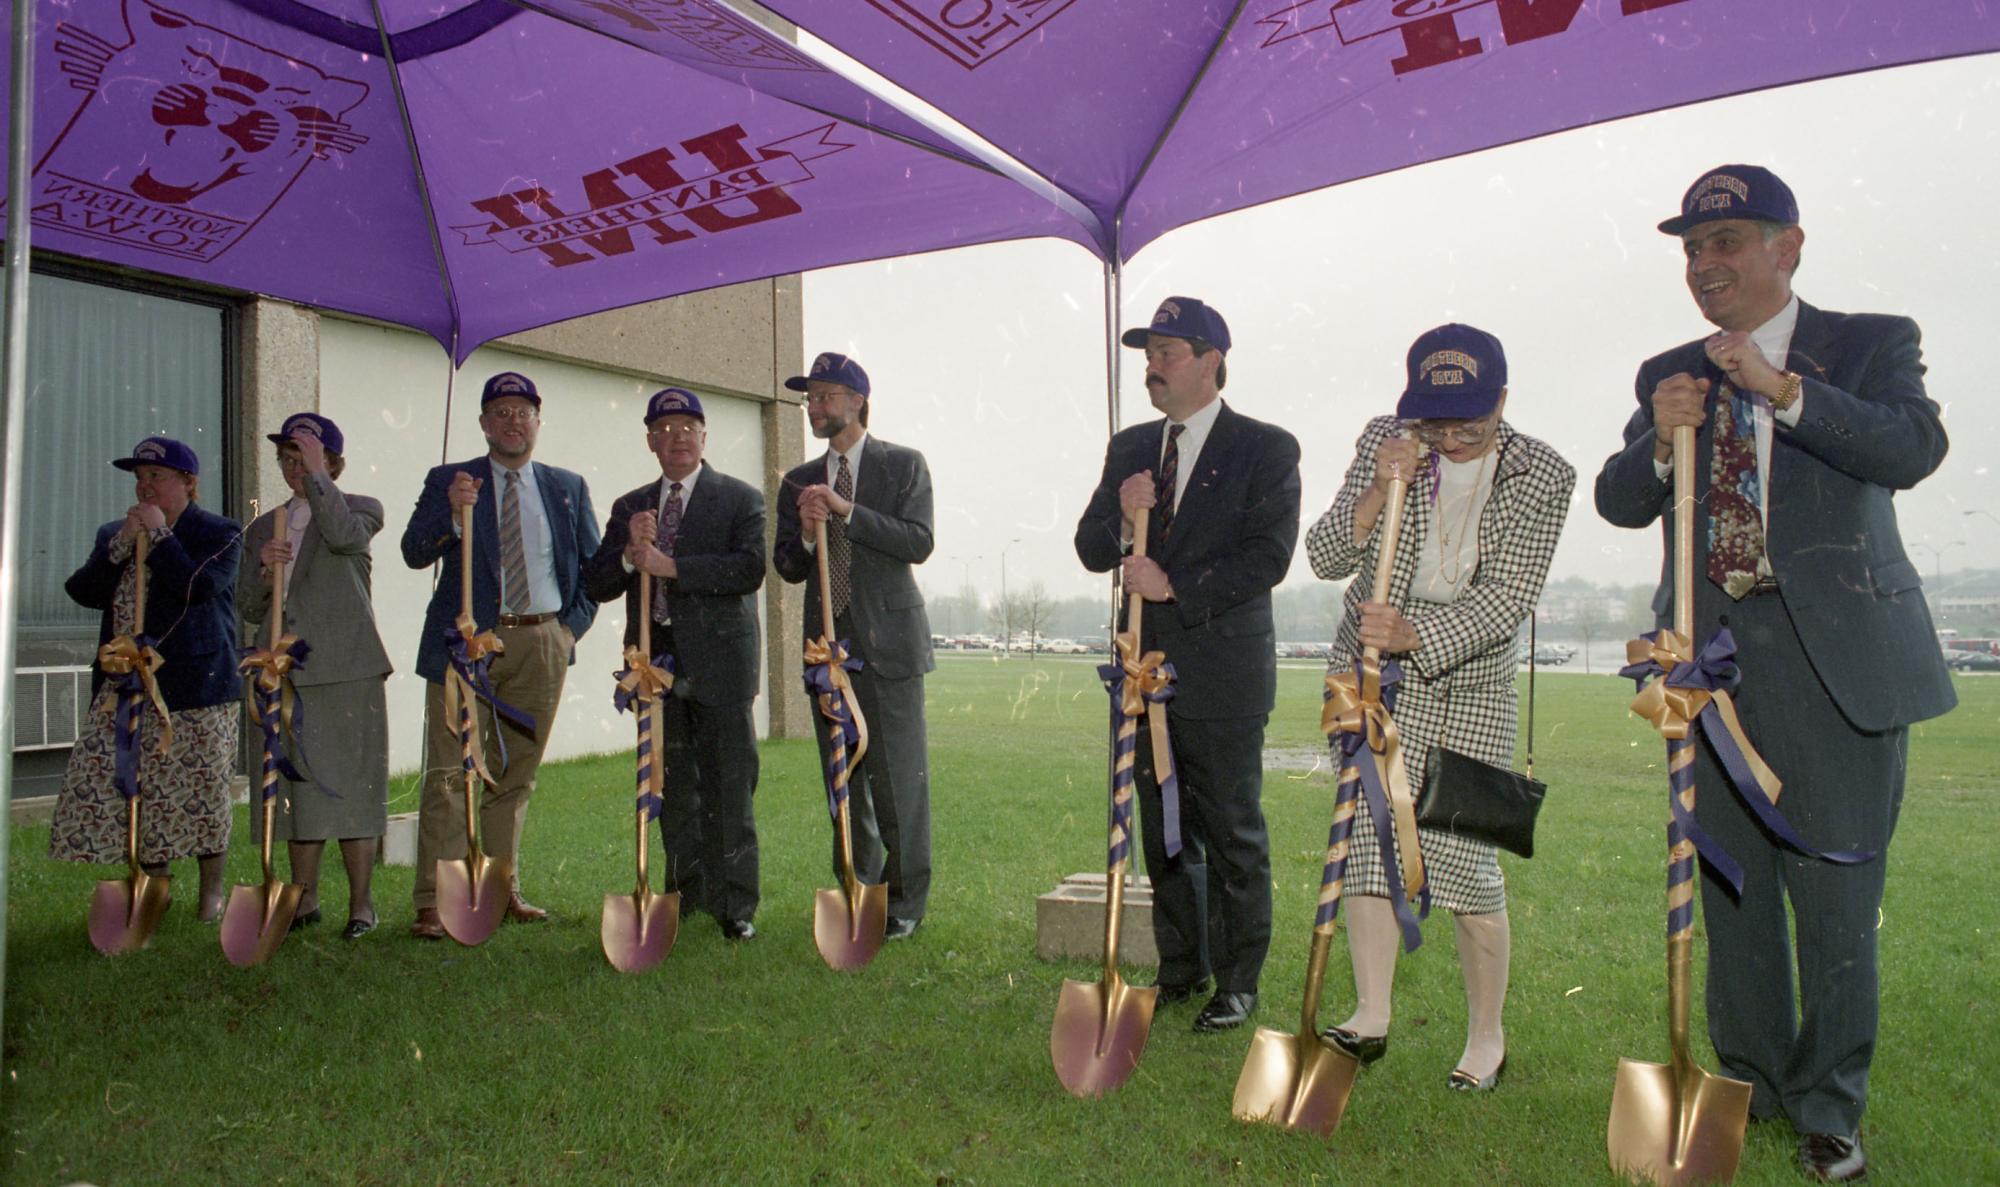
<point>1481,518</point>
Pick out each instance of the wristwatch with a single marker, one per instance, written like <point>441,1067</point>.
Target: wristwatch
<point>1788,391</point>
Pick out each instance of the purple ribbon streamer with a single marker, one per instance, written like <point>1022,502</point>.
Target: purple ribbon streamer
<point>269,720</point>
<point>1714,669</point>
<point>1114,677</point>
<point>478,675</point>
<point>819,683</point>
<point>1336,870</point>
<point>1353,749</point>
<point>649,746</point>
<point>129,690</point>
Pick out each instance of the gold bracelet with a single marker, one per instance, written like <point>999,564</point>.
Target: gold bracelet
<point>1788,392</point>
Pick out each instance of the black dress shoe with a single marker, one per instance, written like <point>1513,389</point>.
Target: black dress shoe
<point>305,919</point>
<point>356,928</point>
<point>1173,995</point>
<point>1461,1080</point>
<point>900,929</point>
<point>738,929</point>
<point>1832,1158</point>
<point>1366,1048</point>
<point>1225,1011</point>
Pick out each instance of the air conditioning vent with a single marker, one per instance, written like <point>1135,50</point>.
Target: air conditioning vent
<point>49,707</point>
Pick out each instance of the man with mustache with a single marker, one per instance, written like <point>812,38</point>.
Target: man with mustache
<point>1223,495</point>
<point>533,530</point>
<point>1807,423</point>
<point>875,500</point>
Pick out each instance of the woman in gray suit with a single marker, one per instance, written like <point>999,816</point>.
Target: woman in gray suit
<point>1481,518</point>
<point>343,751</point>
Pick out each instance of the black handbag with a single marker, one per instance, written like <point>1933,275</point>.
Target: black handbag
<point>1476,799</point>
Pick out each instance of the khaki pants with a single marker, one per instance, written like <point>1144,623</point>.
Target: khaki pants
<point>528,675</point>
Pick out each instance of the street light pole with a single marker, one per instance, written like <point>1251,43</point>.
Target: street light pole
<point>1006,607</point>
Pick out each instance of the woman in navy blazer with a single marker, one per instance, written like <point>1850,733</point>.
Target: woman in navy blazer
<point>191,619</point>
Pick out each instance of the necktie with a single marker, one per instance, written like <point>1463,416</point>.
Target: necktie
<point>1735,516</point>
<point>1170,464</point>
<point>670,528</point>
<point>837,548</point>
<point>513,557</point>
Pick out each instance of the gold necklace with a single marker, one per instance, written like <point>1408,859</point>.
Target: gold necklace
<point>1445,548</point>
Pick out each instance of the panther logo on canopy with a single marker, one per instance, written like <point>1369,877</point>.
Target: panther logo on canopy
<point>971,32</point>
<point>187,135</point>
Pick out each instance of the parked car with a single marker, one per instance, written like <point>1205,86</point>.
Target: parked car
<point>1972,661</point>
<point>1064,647</point>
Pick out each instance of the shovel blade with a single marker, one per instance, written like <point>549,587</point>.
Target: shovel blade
<point>256,920</point>
<point>124,912</point>
<point>472,897</point>
<point>1670,1130</point>
<point>1294,1081</point>
<point>639,928</point>
<point>850,934</point>
<point>1099,1034</point>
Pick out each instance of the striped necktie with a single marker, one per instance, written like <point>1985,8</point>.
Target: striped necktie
<point>513,556</point>
<point>1170,465</point>
<point>838,550</point>
<point>670,529</point>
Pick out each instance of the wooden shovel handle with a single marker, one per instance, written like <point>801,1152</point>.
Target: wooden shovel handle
<point>465,561</point>
<point>142,544</point>
<point>1135,602</point>
<point>825,583</point>
<point>281,526</point>
<point>1385,556</point>
<point>646,615</point>
<point>1684,531</point>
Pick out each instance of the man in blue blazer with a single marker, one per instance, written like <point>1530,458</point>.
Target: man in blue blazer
<point>1223,492</point>
<point>700,533</point>
<point>1808,423</point>
<point>533,529</point>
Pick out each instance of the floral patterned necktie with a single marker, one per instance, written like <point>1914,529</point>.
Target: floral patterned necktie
<point>1735,503</point>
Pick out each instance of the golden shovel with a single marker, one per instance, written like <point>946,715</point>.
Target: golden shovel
<point>257,918</point>
<point>1676,1123</point>
<point>472,891</point>
<point>849,920</point>
<point>1301,1081</point>
<point>639,928</point>
<point>124,913</point>
<point>1100,1030</point>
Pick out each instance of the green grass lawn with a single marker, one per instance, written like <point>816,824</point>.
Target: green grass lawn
<point>529,1060</point>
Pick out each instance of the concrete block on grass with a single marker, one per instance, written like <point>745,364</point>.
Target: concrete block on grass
<point>1069,921</point>
<point>399,842</point>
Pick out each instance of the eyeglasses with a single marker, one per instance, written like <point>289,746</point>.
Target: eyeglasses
<point>824,398</point>
<point>524,415</point>
<point>655,432</point>
<point>1432,435</point>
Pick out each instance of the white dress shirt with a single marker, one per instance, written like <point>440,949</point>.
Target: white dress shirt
<point>537,541</point>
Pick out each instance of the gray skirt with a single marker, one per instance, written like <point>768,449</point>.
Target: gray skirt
<point>346,747</point>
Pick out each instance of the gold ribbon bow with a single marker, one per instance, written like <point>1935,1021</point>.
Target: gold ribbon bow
<point>1672,711</point>
<point>644,680</point>
<point>1354,706</point>
<point>271,668</point>
<point>457,692</point>
<point>122,656</point>
<point>824,651</point>
<point>1146,675</point>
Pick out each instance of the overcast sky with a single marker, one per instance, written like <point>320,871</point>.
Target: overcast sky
<point>991,359</point>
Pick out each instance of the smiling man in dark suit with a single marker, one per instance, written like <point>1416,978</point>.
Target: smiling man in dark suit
<point>533,529</point>
<point>875,499</point>
<point>1807,422</point>
<point>1223,490</point>
<point>700,534</point>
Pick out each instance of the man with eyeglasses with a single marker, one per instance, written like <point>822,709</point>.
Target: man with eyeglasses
<point>532,531</point>
<point>1223,495</point>
<point>875,500</point>
<point>700,534</point>
<point>1807,424</point>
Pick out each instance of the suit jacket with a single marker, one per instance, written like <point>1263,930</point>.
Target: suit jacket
<point>1867,430</point>
<point>889,531</point>
<point>328,596</point>
<point>429,539</point>
<point>190,605</point>
<point>1231,543</point>
<point>719,552</point>
<point>1470,642</point>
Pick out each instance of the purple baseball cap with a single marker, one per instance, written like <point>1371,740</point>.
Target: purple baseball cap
<point>510,383</point>
<point>160,451</point>
<point>832,368</point>
<point>674,401</point>
<point>1735,191</point>
<point>1183,317</point>
<point>1456,372</point>
<point>313,423</point>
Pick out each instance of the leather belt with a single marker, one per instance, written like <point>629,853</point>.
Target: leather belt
<point>525,619</point>
<point>1764,585</point>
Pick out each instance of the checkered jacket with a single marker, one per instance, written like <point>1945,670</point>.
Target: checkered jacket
<point>1472,640</point>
